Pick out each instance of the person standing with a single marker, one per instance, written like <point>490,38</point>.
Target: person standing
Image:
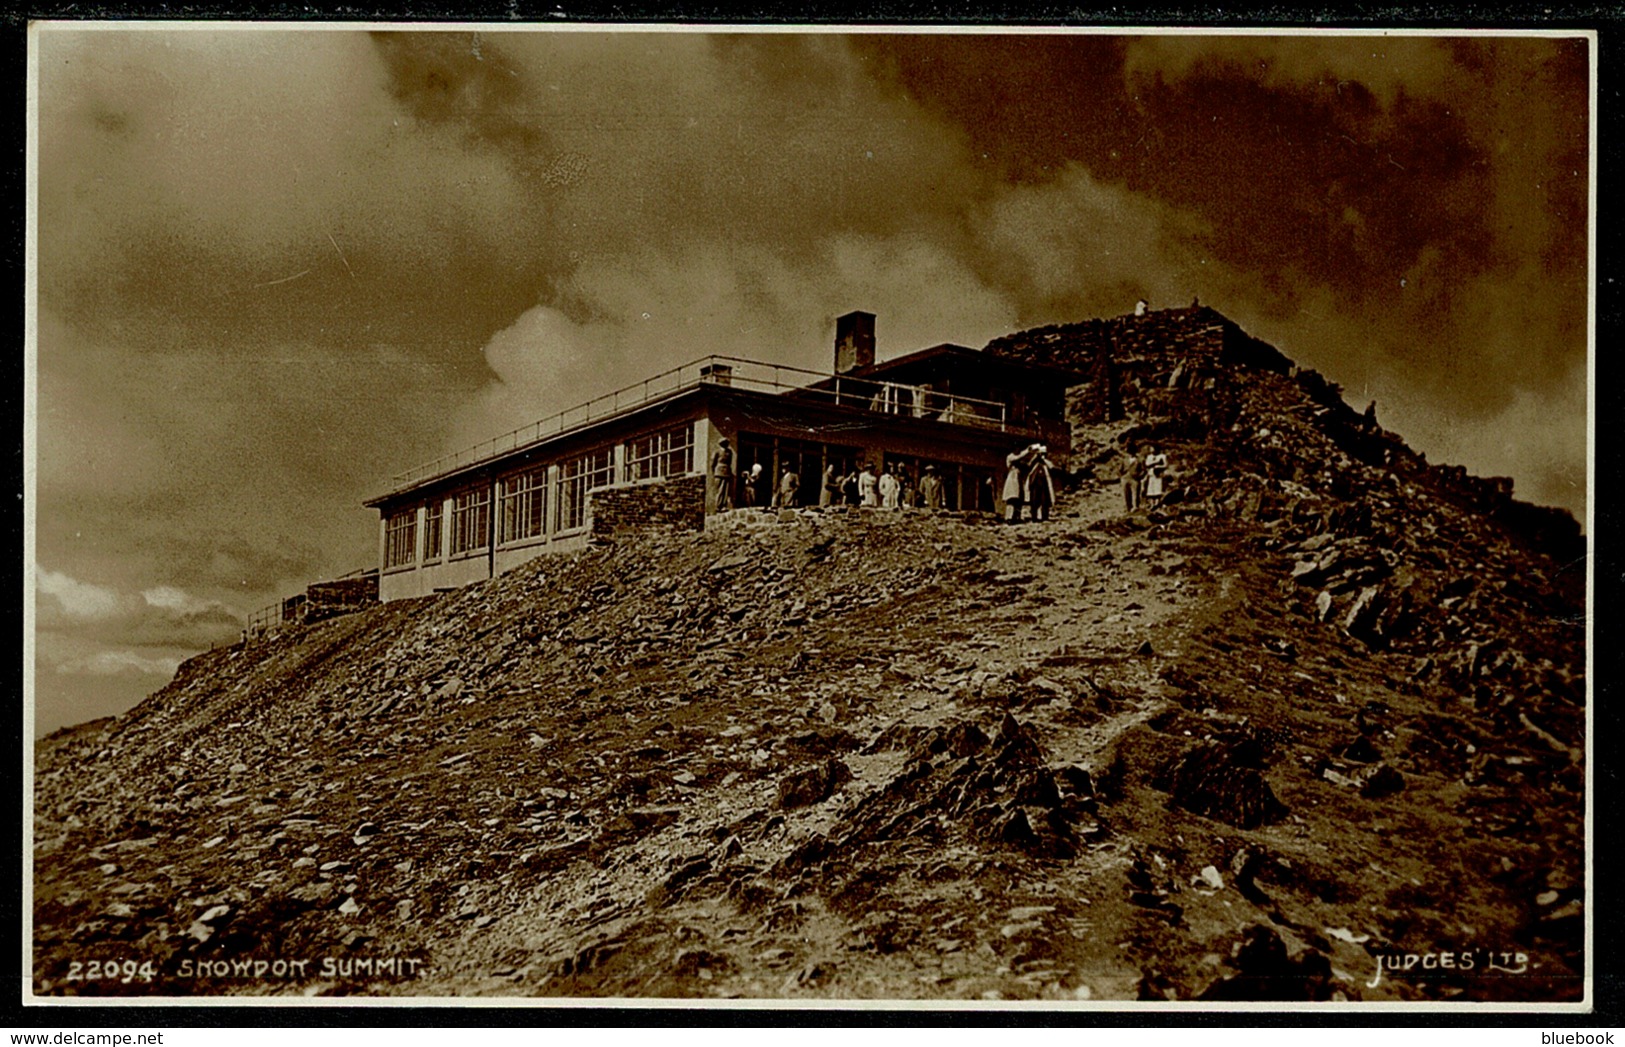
<point>868,491</point>
<point>789,489</point>
<point>830,493</point>
<point>889,487</point>
<point>1133,475</point>
<point>1015,479</point>
<point>1039,489</point>
<point>849,488</point>
<point>931,490</point>
<point>1156,464</point>
<point>723,467</point>
<point>762,480</point>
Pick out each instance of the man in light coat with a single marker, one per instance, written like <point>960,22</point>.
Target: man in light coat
<point>1015,482</point>
<point>888,486</point>
<point>868,489</point>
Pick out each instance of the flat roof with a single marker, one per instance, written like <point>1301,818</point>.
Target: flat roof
<point>735,373</point>
<point>962,352</point>
<point>518,442</point>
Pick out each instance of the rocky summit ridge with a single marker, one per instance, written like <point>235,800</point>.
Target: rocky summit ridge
<point>1321,710</point>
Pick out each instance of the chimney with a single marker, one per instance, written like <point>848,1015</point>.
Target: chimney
<point>854,341</point>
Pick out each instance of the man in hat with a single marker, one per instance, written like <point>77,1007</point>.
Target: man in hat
<point>931,490</point>
<point>722,474</point>
<point>789,489</point>
<point>889,487</point>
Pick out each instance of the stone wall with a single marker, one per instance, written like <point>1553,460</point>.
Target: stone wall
<point>319,602</point>
<point>325,600</point>
<point>677,502</point>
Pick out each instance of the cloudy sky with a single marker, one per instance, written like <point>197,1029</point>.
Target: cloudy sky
<point>277,266</point>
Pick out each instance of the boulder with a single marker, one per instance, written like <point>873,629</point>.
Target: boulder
<point>1383,781</point>
<point>814,785</point>
<point>1214,781</point>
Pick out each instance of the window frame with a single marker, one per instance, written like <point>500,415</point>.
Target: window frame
<point>577,476</point>
<point>470,521</point>
<point>660,454</point>
<point>434,524</point>
<point>524,501</point>
<point>400,539</point>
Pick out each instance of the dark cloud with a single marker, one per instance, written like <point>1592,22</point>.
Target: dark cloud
<point>277,267</point>
<point>1428,196</point>
<point>256,188</point>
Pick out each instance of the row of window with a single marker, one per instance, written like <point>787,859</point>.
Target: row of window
<point>522,501</point>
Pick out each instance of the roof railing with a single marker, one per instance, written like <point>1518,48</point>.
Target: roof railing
<point>263,620</point>
<point>918,401</point>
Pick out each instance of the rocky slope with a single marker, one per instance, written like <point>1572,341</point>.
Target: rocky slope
<point>1322,710</point>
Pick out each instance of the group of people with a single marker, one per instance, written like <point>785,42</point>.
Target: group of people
<point>1028,481</point>
<point>757,489</point>
<point>1143,478</point>
<point>891,487</point>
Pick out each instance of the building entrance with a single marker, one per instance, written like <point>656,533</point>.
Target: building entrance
<point>807,459</point>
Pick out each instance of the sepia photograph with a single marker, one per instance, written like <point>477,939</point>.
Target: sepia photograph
<point>808,516</point>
